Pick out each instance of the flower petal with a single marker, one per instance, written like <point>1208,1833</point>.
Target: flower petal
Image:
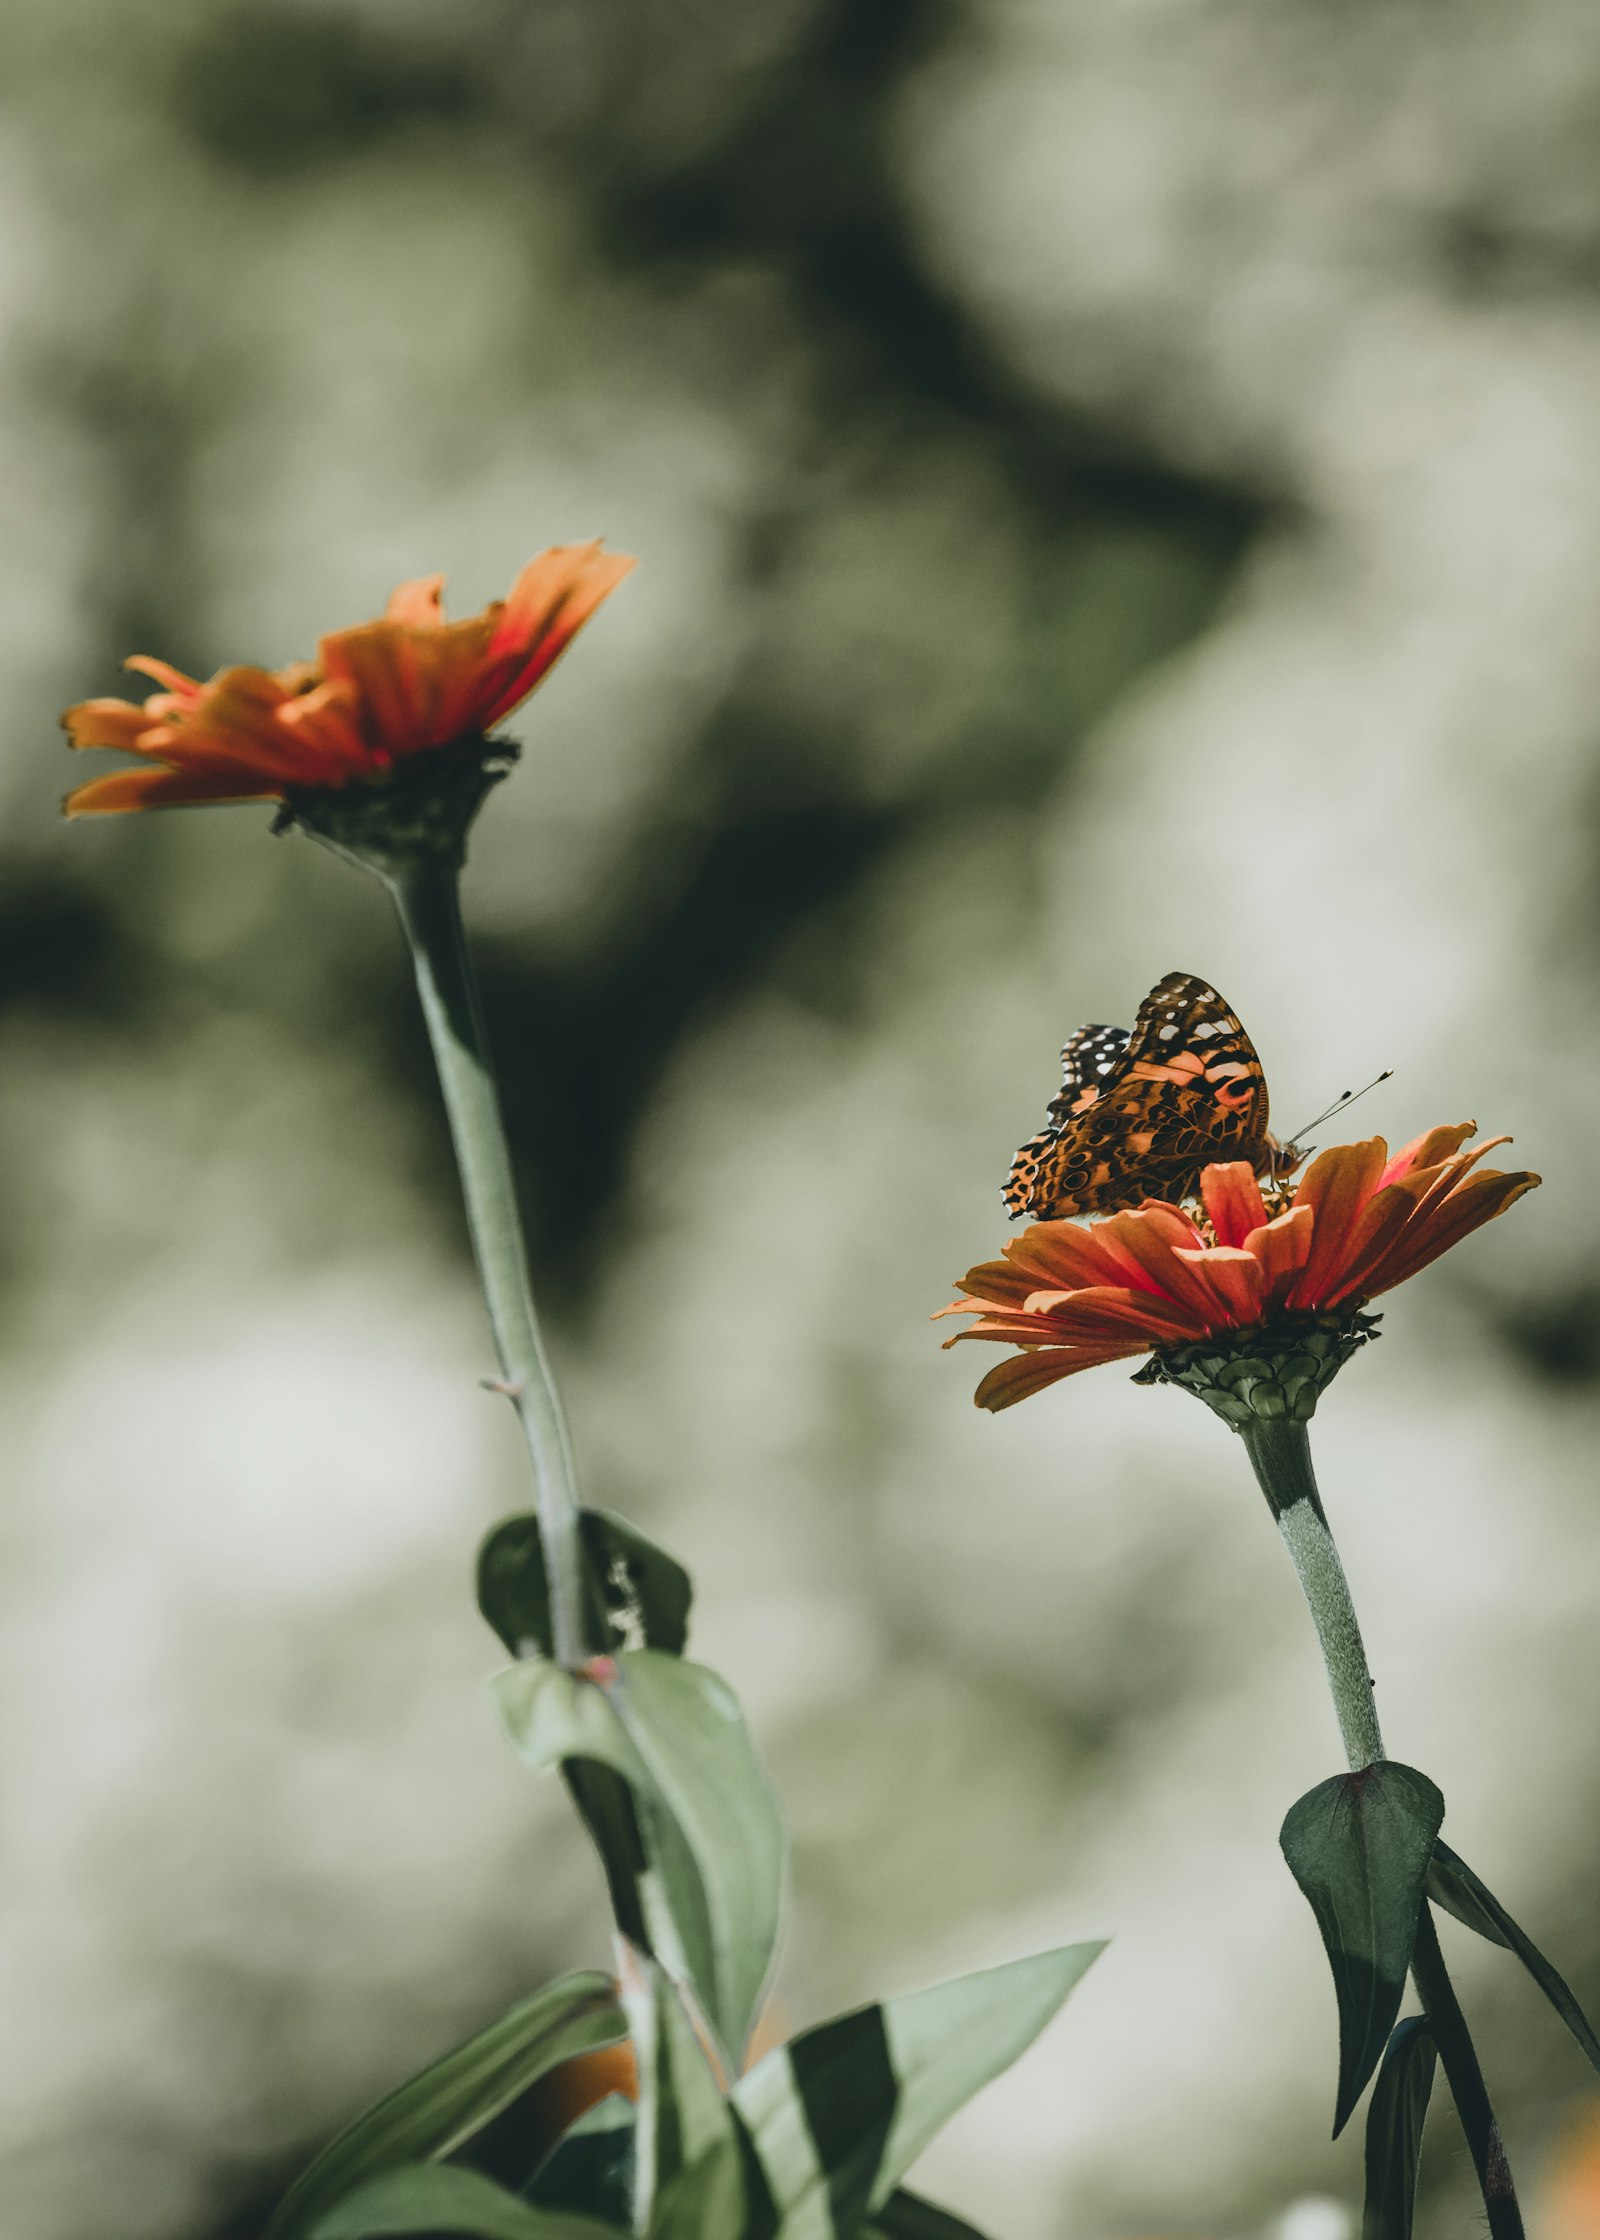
<point>1337,1185</point>
<point>1233,1200</point>
<point>1429,1149</point>
<point>1283,1246</point>
<point>106,723</point>
<point>185,690</point>
<point>548,605</point>
<point>122,790</point>
<point>1025,1373</point>
<point>1154,1255</point>
<point>418,604</point>
<point>1481,1198</point>
<point>1233,1284</point>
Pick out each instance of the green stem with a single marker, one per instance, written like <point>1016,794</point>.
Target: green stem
<point>430,912</point>
<point>1280,1453</point>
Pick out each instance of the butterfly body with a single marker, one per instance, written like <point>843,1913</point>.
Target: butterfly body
<point>1140,1114</point>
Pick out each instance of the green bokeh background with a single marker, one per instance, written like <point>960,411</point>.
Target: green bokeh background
<point>1115,489</point>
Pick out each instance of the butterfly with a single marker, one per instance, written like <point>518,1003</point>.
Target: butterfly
<point>1139,1115</point>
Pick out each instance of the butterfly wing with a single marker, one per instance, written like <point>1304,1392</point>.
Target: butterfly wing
<point>1188,1089</point>
<point>1090,1063</point>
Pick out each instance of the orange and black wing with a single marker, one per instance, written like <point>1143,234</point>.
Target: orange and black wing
<point>1090,1063</point>
<point>1187,1089</point>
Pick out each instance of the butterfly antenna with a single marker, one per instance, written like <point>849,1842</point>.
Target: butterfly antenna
<point>1338,1105</point>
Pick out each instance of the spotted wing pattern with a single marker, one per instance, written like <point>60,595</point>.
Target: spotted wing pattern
<point>1141,1114</point>
<point>1090,1062</point>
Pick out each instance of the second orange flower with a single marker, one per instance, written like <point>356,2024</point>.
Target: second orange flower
<point>376,696</point>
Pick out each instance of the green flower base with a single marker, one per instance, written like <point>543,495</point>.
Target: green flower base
<point>1273,1374</point>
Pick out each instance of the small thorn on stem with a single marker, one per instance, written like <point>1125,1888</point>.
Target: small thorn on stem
<point>500,1385</point>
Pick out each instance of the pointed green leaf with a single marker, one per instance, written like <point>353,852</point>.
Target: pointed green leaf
<point>721,1846</point>
<point>1398,2110</point>
<point>906,2216</point>
<point>432,2198</point>
<point>634,1591</point>
<point>839,2114</point>
<point>687,2158</point>
<point>712,1833</point>
<point>1359,1847</point>
<point>1459,2060</point>
<point>437,2111</point>
<point>948,2042</point>
<point>1453,1885</point>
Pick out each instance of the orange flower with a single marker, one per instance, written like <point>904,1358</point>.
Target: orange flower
<point>1072,1294</point>
<point>374,697</point>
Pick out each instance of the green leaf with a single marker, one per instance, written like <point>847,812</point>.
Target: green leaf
<point>689,2182</point>
<point>720,1841</point>
<point>1459,2060</point>
<point>704,2200</point>
<point>906,2216</point>
<point>589,2169</point>
<point>633,1590</point>
<point>711,1830</point>
<point>1359,1847</point>
<point>1395,2118</point>
<point>438,2110</point>
<point>647,1591</point>
<point>432,2198</point>
<point>839,2114</point>
<point>1453,1885</point>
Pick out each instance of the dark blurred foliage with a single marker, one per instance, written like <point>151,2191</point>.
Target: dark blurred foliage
<point>794,178</point>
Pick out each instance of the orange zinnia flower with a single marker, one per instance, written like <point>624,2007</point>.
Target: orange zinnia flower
<point>1159,1281</point>
<point>375,697</point>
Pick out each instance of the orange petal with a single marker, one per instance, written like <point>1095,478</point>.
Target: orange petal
<point>123,790</point>
<point>418,604</point>
<point>1234,1288</point>
<point>1371,1236</point>
<point>1282,1246</point>
<point>185,690</point>
<point>1027,1373</point>
<point>1429,1149</point>
<point>1103,1311</point>
<point>410,685</point>
<point>1232,1200</point>
<point>1152,1259</point>
<point>549,603</point>
<point>1049,1256</point>
<point>106,723</point>
<point>1337,1185</point>
<point>1480,1199</point>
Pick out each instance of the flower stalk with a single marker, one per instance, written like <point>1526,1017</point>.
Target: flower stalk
<point>428,904</point>
<point>1280,1455</point>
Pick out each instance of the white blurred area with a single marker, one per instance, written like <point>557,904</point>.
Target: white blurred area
<point>1021,1680</point>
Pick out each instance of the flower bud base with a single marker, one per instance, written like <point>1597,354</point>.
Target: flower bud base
<point>1275,1373</point>
<point>415,818</point>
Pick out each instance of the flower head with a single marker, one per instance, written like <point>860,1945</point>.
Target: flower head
<point>380,701</point>
<point>1255,1313</point>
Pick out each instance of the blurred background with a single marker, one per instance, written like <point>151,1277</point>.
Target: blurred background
<point>1116,488</point>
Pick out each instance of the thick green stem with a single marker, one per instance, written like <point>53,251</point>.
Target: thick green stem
<point>1280,1453</point>
<point>430,912</point>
